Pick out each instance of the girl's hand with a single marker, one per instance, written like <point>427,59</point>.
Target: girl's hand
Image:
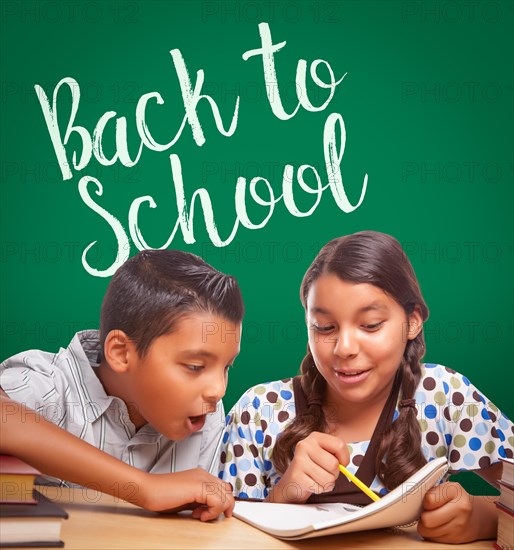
<point>195,490</point>
<point>314,468</point>
<point>451,515</point>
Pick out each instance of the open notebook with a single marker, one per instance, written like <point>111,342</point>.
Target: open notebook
<point>401,506</point>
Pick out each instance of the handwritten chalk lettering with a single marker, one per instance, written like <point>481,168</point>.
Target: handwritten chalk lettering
<point>244,190</point>
<point>191,96</point>
<point>119,232</point>
<point>305,179</point>
<point>267,51</point>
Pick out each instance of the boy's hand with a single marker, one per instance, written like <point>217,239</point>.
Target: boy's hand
<point>58,453</point>
<point>314,468</point>
<point>196,489</point>
<point>448,515</point>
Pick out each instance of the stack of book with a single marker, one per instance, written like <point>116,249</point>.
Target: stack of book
<point>27,518</point>
<point>505,505</point>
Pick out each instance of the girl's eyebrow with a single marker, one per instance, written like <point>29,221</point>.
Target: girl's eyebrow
<point>318,310</point>
<point>375,306</point>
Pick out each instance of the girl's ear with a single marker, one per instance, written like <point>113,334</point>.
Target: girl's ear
<point>117,351</point>
<point>415,323</point>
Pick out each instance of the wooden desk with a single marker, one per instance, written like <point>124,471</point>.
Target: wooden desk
<point>99,521</point>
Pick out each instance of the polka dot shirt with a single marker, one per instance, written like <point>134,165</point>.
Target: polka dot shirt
<point>456,421</point>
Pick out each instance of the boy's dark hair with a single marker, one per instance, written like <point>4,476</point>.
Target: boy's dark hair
<point>377,259</point>
<point>154,288</point>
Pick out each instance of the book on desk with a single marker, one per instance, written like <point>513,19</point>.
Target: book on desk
<point>16,480</point>
<point>27,518</point>
<point>505,505</point>
<point>401,506</point>
<point>35,525</point>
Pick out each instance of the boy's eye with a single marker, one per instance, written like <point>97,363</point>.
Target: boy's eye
<point>373,326</point>
<point>195,368</point>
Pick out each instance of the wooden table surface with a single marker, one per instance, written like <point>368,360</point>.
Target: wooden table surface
<point>98,521</point>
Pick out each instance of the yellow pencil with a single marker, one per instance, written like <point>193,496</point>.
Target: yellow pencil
<point>359,483</point>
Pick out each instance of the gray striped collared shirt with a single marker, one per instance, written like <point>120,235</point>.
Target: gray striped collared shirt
<point>65,390</point>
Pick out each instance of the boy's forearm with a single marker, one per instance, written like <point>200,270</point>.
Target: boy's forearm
<point>32,438</point>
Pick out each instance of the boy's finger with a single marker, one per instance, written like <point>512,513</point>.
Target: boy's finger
<point>209,514</point>
<point>197,512</point>
<point>229,511</point>
<point>230,507</point>
<point>215,507</point>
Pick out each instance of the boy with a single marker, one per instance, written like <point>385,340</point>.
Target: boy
<point>130,410</point>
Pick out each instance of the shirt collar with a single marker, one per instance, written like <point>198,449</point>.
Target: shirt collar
<point>85,347</point>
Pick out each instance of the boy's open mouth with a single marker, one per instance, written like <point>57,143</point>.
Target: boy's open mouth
<point>196,422</point>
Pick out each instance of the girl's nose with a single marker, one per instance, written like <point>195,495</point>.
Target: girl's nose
<point>347,344</point>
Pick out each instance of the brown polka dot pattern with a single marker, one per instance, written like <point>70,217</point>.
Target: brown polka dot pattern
<point>454,418</point>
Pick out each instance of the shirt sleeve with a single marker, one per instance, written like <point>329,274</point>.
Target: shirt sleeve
<point>473,430</point>
<point>31,379</point>
<point>241,460</point>
<point>252,426</point>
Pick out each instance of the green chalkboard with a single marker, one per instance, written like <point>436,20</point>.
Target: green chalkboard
<point>426,102</point>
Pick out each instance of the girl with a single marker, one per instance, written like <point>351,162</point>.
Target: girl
<point>364,400</point>
<point>131,410</point>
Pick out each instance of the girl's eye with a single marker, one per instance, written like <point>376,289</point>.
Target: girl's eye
<point>323,329</point>
<point>373,326</point>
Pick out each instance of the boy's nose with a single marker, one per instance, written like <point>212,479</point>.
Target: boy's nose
<point>216,388</point>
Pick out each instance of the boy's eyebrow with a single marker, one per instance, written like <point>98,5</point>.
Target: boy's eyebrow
<point>202,354</point>
<point>198,353</point>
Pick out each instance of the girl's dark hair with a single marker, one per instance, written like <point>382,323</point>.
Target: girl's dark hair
<point>154,288</point>
<point>377,259</point>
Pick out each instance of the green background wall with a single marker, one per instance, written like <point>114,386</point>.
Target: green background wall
<point>428,108</point>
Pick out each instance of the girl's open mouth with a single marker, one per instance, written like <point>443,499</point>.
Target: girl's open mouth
<point>352,377</point>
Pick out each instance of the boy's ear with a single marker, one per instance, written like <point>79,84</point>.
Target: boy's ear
<point>117,351</point>
<point>415,323</point>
